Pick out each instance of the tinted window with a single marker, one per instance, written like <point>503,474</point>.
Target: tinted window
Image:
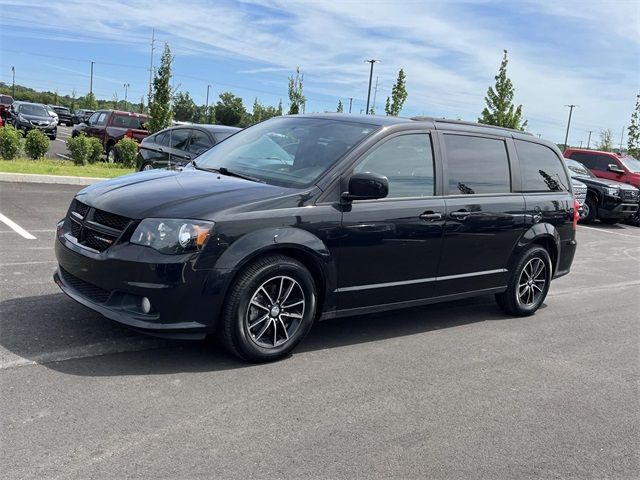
<point>126,121</point>
<point>603,162</point>
<point>161,139</point>
<point>407,161</point>
<point>32,109</point>
<point>586,159</point>
<point>578,169</point>
<point>178,138</point>
<point>540,168</point>
<point>477,165</point>
<point>305,149</point>
<point>200,142</point>
<point>94,118</point>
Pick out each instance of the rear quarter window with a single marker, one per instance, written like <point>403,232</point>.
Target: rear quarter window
<point>541,170</point>
<point>476,165</point>
<point>126,121</point>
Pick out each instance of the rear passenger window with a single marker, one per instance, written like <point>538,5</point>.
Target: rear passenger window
<point>586,159</point>
<point>199,142</point>
<point>477,165</point>
<point>407,162</point>
<point>540,168</point>
<point>178,138</point>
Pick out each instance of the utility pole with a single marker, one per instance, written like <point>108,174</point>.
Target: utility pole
<point>589,139</point>
<point>153,43</point>
<point>581,143</point>
<point>350,103</point>
<point>375,94</point>
<point>621,138</point>
<point>13,84</point>
<point>539,135</point>
<point>372,61</point>
<point>566,137</point>
<point>91,81</point>
<point>206,107</point>
<point>126,87</point>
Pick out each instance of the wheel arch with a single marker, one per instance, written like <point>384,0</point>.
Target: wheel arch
<point>543,234</point>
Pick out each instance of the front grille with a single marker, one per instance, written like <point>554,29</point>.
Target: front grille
<point>86,289</point>
<point>93,228</point>
<point>580,193</point>
<point>631,195</point>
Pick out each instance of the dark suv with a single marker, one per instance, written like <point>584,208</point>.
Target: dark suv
<point>310,217</point>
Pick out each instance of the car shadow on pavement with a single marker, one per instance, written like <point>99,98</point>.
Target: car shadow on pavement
<point>55,332</point>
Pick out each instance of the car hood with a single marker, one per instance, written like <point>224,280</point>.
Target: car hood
<point>37,118</point>
<point>188,193</point>
<point>603,182</point>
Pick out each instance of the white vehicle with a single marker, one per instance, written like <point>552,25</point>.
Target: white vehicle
<point>52,113</point>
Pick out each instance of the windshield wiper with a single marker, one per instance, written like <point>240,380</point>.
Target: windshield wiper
<point>227,172</point>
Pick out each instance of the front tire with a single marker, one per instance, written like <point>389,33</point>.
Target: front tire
<point>146,166</point>
<point>269,309</point>
<point>528,283</point>
<point>590,211</point>
<point>112,154</point>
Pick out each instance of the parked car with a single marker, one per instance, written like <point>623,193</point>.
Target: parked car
<point>607,200</point>
<point>5,103</point>
<point>109,126</point>
<point>175,147</point>
<point>579,193</point>
<point>52,113</point>
<point>621,168</point>
<point>368,214</point>
<point>64,115</point>
<point>25,116</point>
<point>81,115</point>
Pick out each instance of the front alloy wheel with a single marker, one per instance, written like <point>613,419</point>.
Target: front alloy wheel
<point>275,312</point>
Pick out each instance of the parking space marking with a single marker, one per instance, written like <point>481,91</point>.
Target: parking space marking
<point>16,228</point>
<point>608,231</point>
<point>27,263</point>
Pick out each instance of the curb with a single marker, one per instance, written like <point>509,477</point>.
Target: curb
<point>55,179</point>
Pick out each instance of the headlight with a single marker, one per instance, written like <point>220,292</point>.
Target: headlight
<point>613,191</point>
<point>171,235</point>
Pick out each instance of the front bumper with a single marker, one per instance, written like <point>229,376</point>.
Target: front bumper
<point>617,209</point>
<point>47,129</point>
<point>186,302</point>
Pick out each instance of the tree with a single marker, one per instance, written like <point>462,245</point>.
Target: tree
<point>184,108</point>
<point>606,140</point>
<point>399,95</point>
<point>340,108</point>
<point>89,101</point>
<point>633,138</point>
<point>372,110</point>
<point>261,112</point>
<point>229,110</point>
<point>160,108</point>
<point>296,96</point>
<point>500,110</point>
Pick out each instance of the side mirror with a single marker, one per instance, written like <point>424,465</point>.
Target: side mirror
<point>612,167</point>
<point>366,186</point>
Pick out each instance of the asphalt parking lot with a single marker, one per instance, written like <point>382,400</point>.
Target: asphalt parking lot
<point>58,146</point>
<point>455,390</point>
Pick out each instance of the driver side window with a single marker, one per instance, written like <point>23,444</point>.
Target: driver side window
<point>407,162</point>
<point>93,118</point>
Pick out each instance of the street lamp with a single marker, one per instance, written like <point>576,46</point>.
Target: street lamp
<point>126,87</point>
<point>372,61</point>
<point>13,85</point>
<point>566,137</point>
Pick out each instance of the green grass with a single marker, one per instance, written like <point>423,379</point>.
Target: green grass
<point>50,166</point>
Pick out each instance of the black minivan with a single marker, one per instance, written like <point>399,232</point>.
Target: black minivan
<point>309,217</point>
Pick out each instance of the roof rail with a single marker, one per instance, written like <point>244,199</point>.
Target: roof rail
<point>463,122</point>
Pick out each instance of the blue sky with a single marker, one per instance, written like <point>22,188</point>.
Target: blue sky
<point>582,52</point>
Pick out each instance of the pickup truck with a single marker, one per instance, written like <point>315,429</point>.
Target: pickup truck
<point>109,126</point>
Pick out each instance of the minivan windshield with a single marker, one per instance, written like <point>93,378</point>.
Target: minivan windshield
<point>286,151</point>
<point>579,170</point>
<point>631,163</point>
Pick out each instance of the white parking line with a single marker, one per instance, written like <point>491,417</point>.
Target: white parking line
<point>609,231</point>
<point>16,228</point>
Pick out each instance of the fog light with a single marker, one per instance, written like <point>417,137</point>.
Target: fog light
<point>146,305</point>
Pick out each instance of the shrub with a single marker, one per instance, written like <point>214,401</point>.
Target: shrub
<point>79,149</point>
<point>10,142</point>
<point>36,144</point>
<point>127,149</point>
<point>95,150</point>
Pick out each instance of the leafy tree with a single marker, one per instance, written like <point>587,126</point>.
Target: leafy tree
<point>606,140</point>
<point>160,108</point>
<point>500,110</point>
<point>633,138</point>
<point>372,110</point>
<point>399,95</point>
<point>262,112</point>
<point>229,109</point>
<point>340,108</point>
<point>89,101</point>
<point>207,114</point>
<point>296,95</point>
<point>184,108</point>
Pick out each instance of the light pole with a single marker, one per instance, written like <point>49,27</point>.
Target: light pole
<point>589,139</point>
<point>372,61</point>
<point>91,81</point>
<point>206,106</point>
<point>566,137</point>
<point>126,88</point>
<point>350,103</point>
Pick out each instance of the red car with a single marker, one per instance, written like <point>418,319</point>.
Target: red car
<point>621,168</point>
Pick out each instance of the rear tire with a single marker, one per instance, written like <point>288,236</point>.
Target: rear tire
<point>269,309</point>
<point>528,283</point>
<point>112,154</point>
<point>146,166</point>
<point>590,211</point>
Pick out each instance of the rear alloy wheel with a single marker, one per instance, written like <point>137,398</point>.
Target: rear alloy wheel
<point>269,310</point>
<point>146,166</point>
<point>528,283</point>
<point>112,155</point>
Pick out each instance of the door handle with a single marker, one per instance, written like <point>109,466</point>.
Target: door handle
<point>460,214</point>
<point>160,149</point>
<point>430,216</point>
